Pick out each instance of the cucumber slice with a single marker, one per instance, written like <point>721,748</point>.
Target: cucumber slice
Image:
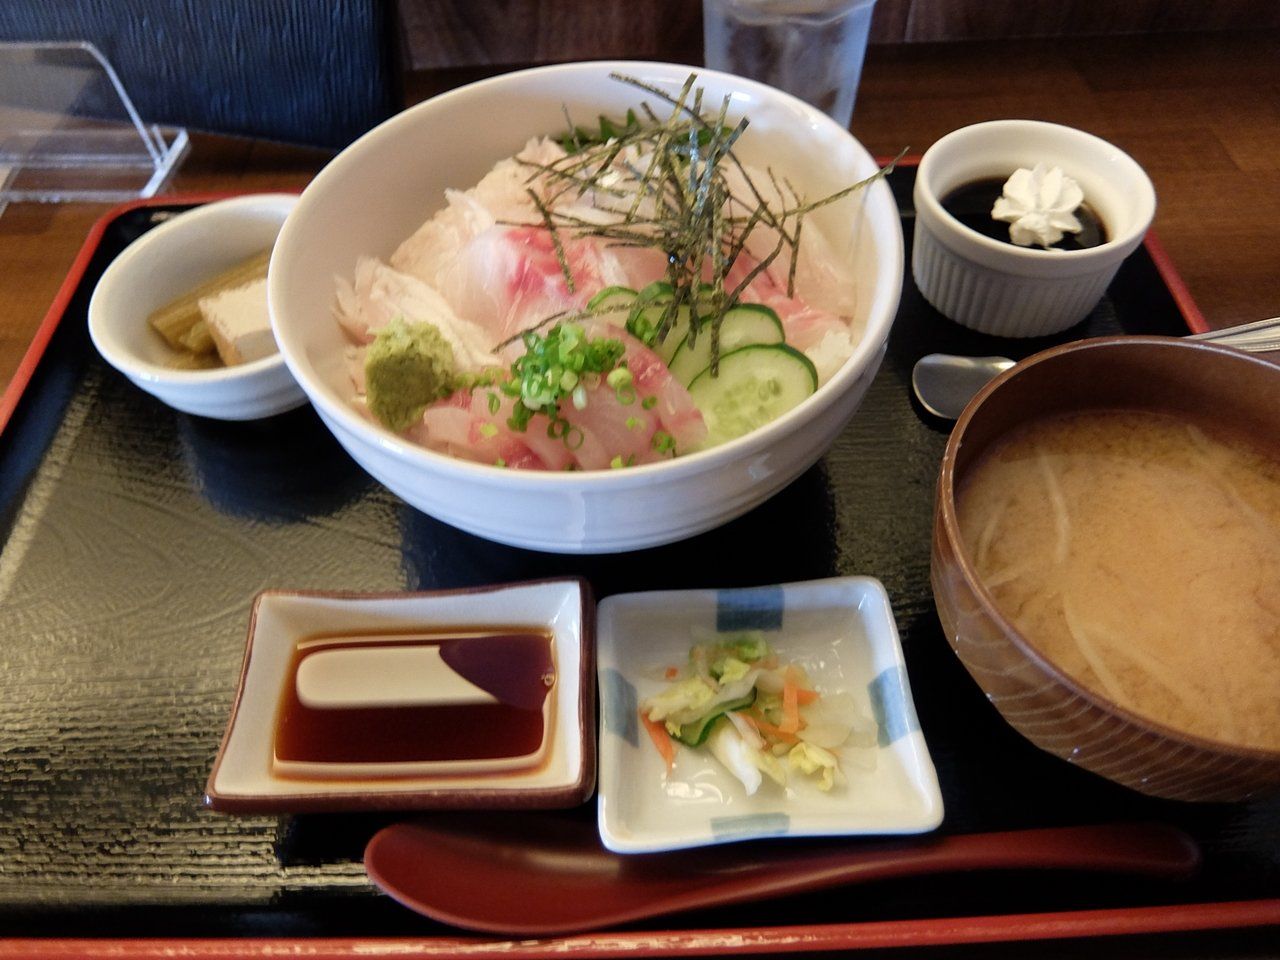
<point>695,734</point>
<point>754,385</point>
<point>678,332</point>
<point>647,312</point>
<point>613,299</point>
<point>657,290</point>
<point>745,324</point>
<point>669,345</point>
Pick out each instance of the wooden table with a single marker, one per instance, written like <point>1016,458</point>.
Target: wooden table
<point>1200,112</point>
<point>38,242</point>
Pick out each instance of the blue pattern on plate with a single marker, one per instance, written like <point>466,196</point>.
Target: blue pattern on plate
<point>751,825</point>
<point>756,608</point>
<point>892,706</point>
<point>618,696</point>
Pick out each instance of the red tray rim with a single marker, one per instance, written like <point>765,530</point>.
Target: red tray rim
<point>931,932</point>
<point>936,931</point>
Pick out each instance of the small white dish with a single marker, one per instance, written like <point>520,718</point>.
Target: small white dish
<point>1006,290</point>
<point>247,777</point>
<point>842,632</point>
<point>162,265</point>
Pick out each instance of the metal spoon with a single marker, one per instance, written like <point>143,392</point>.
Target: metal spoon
<point>532,875</point>
<point>944,384</point>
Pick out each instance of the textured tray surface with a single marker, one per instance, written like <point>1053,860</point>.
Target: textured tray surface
<point>134,539</point>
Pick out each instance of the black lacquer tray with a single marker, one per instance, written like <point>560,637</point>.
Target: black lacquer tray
<point>135,538</point>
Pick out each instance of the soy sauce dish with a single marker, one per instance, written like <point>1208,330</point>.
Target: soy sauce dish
<point>469,699</point>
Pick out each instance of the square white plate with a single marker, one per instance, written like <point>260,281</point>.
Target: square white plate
<point>244,778</point>
<point>842,632</point>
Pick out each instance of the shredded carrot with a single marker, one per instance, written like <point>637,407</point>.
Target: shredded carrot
<point>804,696</point>
<point>790,700</point>
<point>661,739</point>
<point>671,673</point>
<point>769,730</point>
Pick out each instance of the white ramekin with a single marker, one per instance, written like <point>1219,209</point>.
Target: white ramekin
<point>1006,290</point>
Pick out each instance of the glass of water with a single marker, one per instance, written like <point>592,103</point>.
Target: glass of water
<point>812,49</point>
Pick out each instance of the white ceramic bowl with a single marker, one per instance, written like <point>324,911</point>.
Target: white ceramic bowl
<point>161,266</point>
<point>1006,290</point>
<point>381,188</point>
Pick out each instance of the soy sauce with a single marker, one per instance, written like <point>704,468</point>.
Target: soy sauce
<point>971,204</point>
<point>513,665</point>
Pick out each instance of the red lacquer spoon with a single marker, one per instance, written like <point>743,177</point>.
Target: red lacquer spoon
<point>515,874</point>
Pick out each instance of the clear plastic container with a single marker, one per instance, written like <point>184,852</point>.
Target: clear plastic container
<point>68,130</point>
<point>812,49</point>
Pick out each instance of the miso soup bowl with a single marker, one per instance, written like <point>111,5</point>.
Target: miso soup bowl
<point>384,186</point>
<point>1034,695</point>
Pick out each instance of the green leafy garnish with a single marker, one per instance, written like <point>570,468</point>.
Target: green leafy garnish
<point>577,139</point>
<point>555,367</point>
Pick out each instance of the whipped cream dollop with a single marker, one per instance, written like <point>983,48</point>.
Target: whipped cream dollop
<point>1039,205</point>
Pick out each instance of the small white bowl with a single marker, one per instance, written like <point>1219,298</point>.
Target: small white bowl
<point>246,778</point>
<point>842,632</point>
<point>1002,289</point>
<point>161,266</point>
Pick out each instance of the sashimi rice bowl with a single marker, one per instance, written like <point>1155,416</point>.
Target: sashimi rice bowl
<point>591,307</point>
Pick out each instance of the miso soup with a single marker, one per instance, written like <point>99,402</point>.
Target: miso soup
<point>1141,554</point>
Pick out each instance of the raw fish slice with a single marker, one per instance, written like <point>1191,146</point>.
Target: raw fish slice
<point>462,425</point>
<point>823,276</point>
<point>501,195</point>
<point>509,279</point>
<point>380,294</point>
<point>622,264</point>
<point>673,408</point>
<point>604,428</point>
<point>622,430</point>
<point>552,451</point>
<point>445,423</point>
<point>590,453</point>
<point>634,267</point>
<point>549,453</point>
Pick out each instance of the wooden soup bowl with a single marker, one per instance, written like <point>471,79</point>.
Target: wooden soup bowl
<point>1032,693</point>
